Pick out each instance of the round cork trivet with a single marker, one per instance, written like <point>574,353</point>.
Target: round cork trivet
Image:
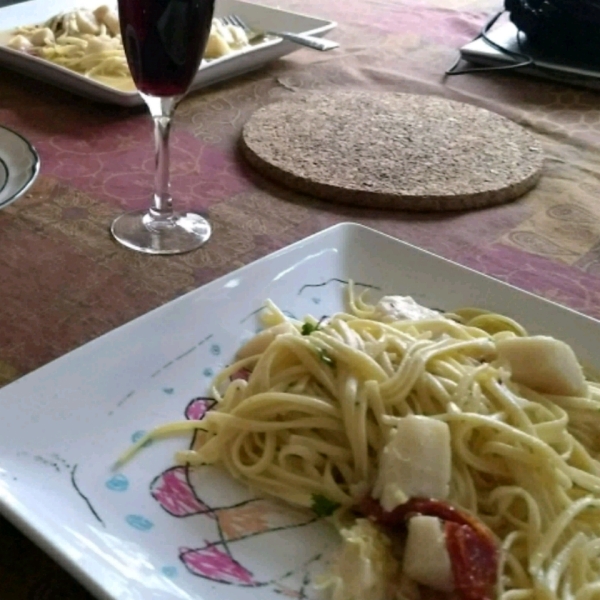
<point>386,150</point>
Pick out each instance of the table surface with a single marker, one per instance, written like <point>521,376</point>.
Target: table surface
<point>64,281</point>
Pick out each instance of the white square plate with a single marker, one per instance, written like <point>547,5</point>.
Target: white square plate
<point>150,532</point>
<point>37,11</point>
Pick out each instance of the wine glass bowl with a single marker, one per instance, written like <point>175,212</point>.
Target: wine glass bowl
<point>164,41</point>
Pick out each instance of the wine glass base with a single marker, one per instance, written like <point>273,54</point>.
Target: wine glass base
<point>181,233</point>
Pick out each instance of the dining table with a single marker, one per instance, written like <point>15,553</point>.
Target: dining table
<point>64,281</point>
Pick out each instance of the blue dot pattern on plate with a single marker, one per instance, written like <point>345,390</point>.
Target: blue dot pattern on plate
<point>118,483</point>
<point>317,300</point>
<point>138,435</point>
<point>169,572</point>
<point>138,522</point>
<point>215,349</point>
<point>208,372</point>
<point>168,390</point>
<point>289,314</point>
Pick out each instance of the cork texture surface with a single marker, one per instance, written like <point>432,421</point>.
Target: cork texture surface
<point>386,150</point>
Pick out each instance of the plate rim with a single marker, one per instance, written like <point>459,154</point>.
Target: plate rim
<point>4,168</point>
<point>34,169</point>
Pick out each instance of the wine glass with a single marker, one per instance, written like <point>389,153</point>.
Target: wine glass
<point>164,41</point>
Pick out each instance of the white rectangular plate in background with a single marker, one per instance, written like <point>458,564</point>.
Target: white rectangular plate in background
<point>154,532</point>
<point>260,17</point>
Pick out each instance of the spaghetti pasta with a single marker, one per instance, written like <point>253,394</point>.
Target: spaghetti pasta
<point>323,399</point>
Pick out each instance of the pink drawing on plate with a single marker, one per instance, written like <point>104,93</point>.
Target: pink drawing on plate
<point>234,557</point>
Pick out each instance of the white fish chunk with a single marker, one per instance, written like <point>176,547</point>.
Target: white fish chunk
<point>426,559</point>
<point>416,462</point>
<point>401,308</point>
<point>544,364</point>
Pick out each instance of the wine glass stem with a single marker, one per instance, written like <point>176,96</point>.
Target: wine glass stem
<point>161,110</point>
<point>163,203</point>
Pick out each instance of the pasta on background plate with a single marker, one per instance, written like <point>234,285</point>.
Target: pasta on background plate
<point>457,455</point>
<point>89,42</point>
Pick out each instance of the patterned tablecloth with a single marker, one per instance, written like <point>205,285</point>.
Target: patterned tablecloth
<point>63,281</point>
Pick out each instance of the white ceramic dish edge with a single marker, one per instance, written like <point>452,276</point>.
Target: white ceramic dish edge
<point>21,163</point>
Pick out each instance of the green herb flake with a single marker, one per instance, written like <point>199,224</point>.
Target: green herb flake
<point>324,356</point>
<point>308,328</point>
<point>323,506</point>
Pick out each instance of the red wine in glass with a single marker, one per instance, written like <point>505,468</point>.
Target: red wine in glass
<point>164,41</point>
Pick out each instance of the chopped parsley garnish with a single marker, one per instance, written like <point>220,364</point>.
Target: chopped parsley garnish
<point>308,328</point>
<point>326,358</point>
<point>323,506</point>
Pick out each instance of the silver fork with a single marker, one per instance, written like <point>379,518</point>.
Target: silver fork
<point>310,41</point>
